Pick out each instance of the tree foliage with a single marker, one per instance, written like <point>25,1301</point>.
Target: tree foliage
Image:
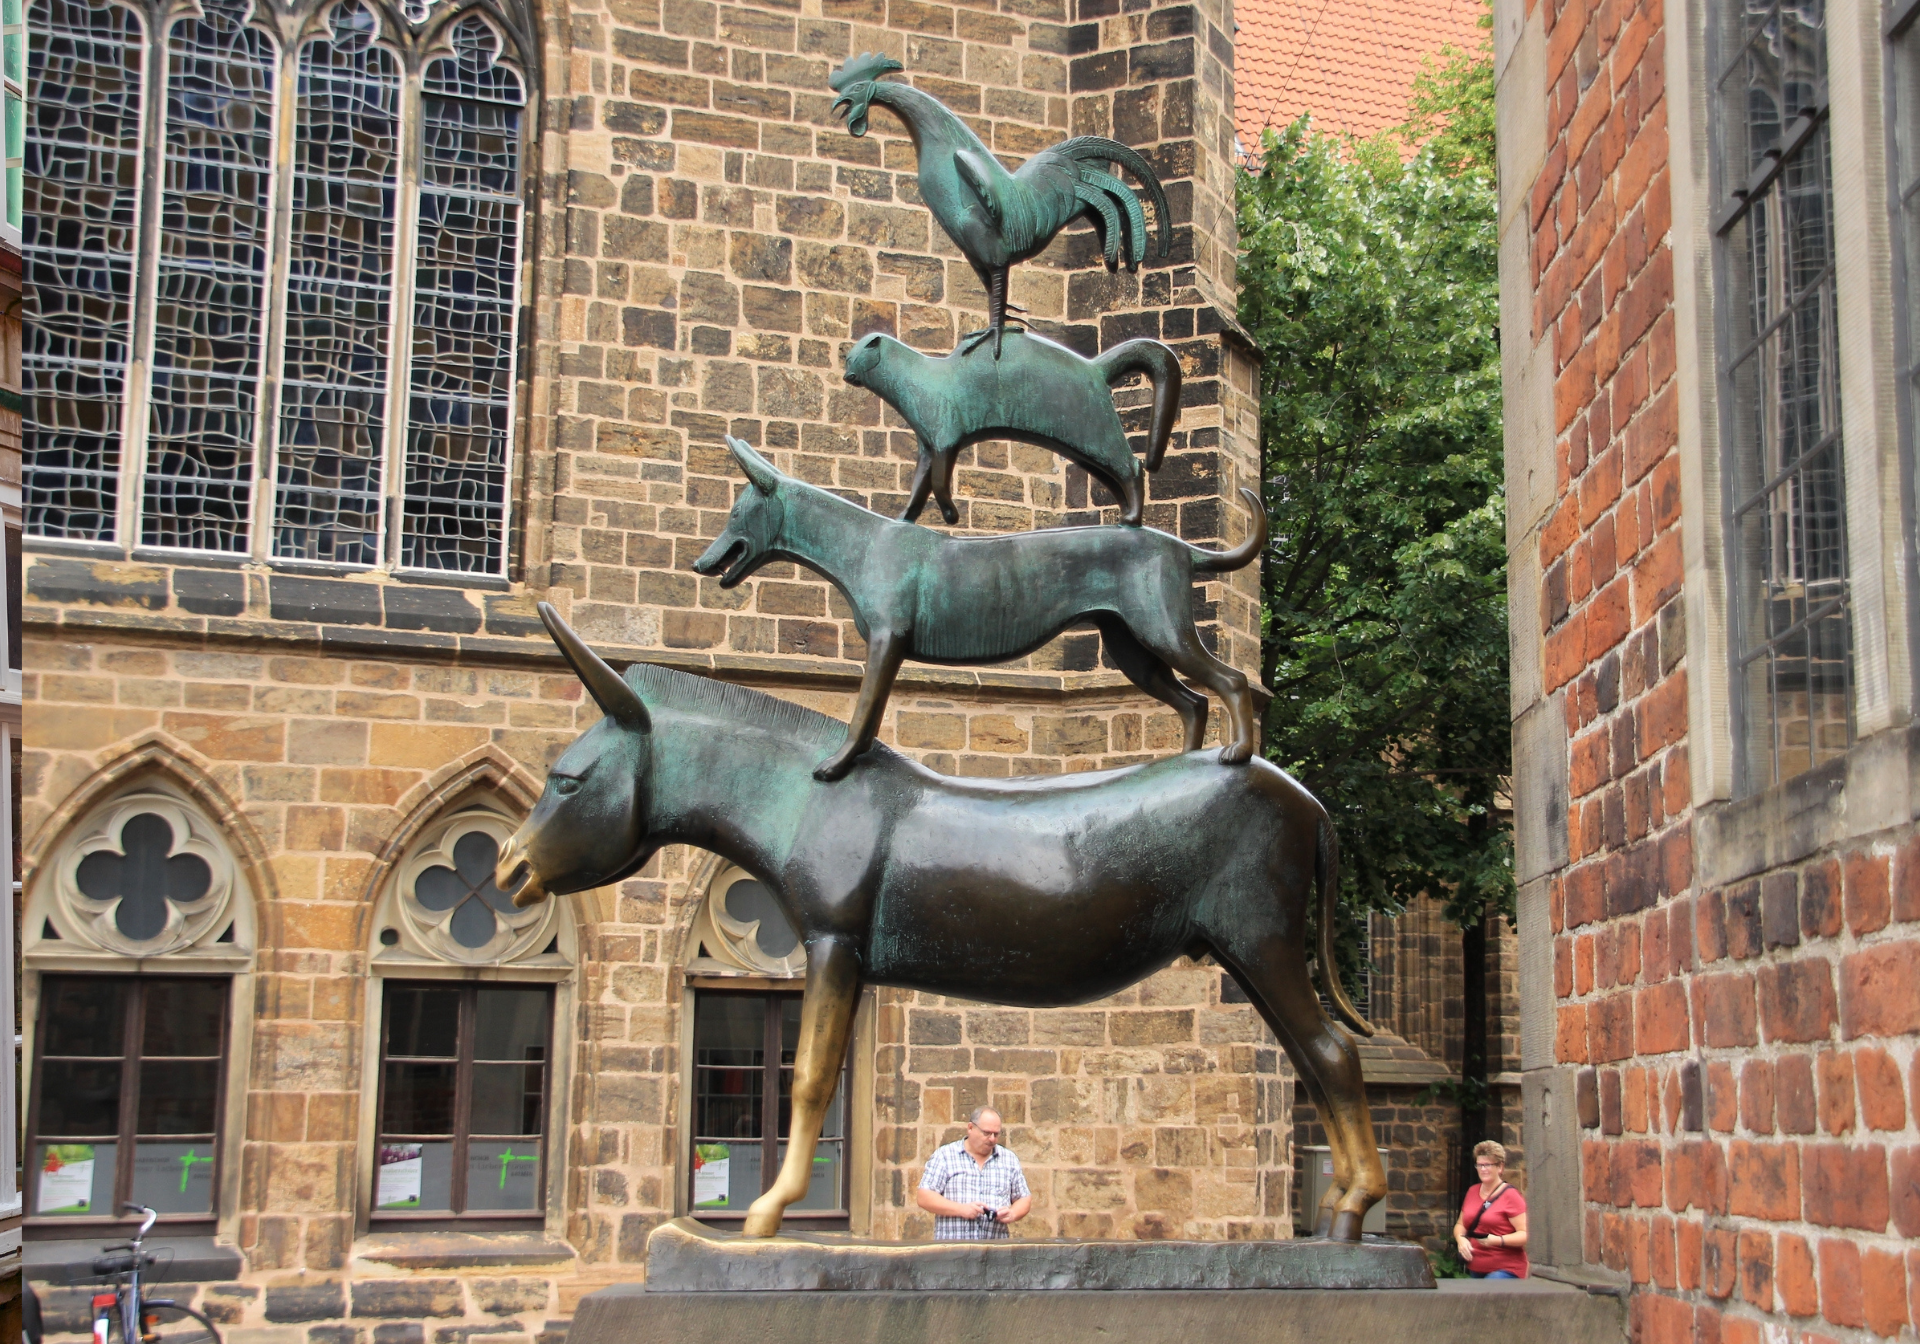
<point>1369,282</point>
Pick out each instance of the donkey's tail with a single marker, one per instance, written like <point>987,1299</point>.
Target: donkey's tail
<point>1242,555</point>
<point>1162,367</point>
<point>1326,872</point>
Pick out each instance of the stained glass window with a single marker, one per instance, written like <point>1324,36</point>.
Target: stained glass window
<point>466,268</point>
<point>209,305</point>
<point>1788,530</point>
<point>81,192</point>
<point>350,381</point>
<point>333,391</point>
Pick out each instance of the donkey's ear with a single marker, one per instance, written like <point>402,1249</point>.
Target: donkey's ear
<point>617,699</point>
<point>761,472</point>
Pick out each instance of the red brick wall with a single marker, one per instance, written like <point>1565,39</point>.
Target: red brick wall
<point>1745,1052</point>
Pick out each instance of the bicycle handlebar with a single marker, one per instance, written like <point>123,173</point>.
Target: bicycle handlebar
<point>146,1224</point>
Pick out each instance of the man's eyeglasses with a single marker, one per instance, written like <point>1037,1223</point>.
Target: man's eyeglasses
<point>985,1133</point>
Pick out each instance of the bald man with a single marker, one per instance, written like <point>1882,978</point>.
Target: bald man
<point>973,1187</point>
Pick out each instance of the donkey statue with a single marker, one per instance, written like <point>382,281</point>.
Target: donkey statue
<point>1035,892</point>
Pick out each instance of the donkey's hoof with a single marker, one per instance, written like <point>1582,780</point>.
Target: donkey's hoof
<point>1346,1226</point>
<point>761,1222</point>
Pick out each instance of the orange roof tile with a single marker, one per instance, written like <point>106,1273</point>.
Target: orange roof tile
<point>1351,63</point>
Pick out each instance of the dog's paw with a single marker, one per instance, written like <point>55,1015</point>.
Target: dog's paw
<point>1236,753</point>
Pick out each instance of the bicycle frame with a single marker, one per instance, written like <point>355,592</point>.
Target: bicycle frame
<point>124,1300</point>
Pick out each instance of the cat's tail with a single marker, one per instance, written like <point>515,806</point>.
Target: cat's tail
<point>1242,555</point>
<point>1162,367</point>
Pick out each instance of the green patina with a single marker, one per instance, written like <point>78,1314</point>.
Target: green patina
<point>996,218</point>
<point>1038,392</point>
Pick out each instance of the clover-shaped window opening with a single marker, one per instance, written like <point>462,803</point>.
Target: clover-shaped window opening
<point>468,890</point>
<point>144,877</point>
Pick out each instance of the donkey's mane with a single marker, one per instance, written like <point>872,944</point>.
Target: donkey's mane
<point>684,691</point>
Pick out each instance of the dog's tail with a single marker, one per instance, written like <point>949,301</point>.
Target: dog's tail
<point>1217,562</point>
<point>1163,368</point>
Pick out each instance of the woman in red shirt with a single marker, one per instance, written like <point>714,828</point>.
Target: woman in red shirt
<point>1492,1231</point>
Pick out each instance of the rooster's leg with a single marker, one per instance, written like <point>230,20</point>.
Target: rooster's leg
<point>997,308</point>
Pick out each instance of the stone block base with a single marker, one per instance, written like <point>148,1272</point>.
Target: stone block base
<point>1461,1312</point>
<point>685,1256</point>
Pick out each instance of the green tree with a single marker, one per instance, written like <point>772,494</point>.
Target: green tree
<point>1369,282</point>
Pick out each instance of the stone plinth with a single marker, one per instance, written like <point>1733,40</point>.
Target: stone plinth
<point>1461,1312</point>
<point>684,1256</point>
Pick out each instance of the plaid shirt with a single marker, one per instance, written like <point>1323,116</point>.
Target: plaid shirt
<point>953,1174</point>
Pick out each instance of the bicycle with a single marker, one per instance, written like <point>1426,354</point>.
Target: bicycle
<point>139,1319</point>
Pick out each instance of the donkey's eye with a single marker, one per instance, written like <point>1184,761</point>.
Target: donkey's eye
<point>565,785</point>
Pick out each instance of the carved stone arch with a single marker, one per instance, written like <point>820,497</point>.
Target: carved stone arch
<point>736,929</point>
<point>512,23</point>
<point>155,766</point>
<point>485,794</point>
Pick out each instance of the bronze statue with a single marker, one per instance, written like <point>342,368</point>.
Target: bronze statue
<point>1035,892</point>
<point>921,594</point>
<point>997,218</point>
<point>1041,393</point>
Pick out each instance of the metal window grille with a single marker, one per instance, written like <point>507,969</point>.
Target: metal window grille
<point>210,310</point>
<point>1786,533</point>
<point>1903,68</point>
<point>465,289</point>
<point>333,388</point>
<point>360,474</point>
<point>80,220</point>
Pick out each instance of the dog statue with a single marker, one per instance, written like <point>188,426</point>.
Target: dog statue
<point>921,594</point>
<point>1036,391</point>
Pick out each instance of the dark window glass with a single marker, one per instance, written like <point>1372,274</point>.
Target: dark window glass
<point>743,1047</point>
<point>83,1016</point>
<point>1780,378</point>
<point>463,1100</point>
<point>111,1125</point>
<point>1903,70</point>
<point>78,238</point>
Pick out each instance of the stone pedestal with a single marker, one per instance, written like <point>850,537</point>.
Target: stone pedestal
<point>685,1256</point>
<point>1461,1312</point>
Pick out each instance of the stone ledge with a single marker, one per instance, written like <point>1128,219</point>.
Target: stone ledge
<point>461,1250</point>
<point>685,1256</point>
<point>193,1259</point>
<point>1460,1312</point>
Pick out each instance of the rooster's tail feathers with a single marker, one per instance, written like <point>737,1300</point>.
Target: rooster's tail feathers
<point>1100,149</point>
<point>1096,200</point>
<point>1116,190</point>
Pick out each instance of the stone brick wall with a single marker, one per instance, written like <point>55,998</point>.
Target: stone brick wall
<point>708,242</point>
<point>1736,1029</point>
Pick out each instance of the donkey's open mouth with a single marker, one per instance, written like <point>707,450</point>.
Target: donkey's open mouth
<point>719,553</point>
<point>514,875</point>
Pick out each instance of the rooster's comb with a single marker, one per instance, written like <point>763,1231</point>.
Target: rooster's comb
<point>868,65</point>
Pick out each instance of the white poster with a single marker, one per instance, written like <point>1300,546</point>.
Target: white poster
<point>399,1178</point>
<point>711,1165</point>
<point>66,1178</point>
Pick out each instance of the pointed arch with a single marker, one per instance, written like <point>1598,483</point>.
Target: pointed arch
<point>153,758</point>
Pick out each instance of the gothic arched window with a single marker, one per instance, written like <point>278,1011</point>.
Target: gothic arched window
<point>358,414</point>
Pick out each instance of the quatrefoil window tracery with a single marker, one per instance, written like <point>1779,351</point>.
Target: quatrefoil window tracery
<point>145,877</point>
<point>448,901</point>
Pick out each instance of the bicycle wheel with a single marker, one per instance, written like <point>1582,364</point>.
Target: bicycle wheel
<point>168,1324</point>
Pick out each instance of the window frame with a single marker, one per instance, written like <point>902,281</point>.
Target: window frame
<point>771,992</point>
<point>1732,203</point>
<point>427,1220</point>
<point>39,1226</point>
<point>416,43</point>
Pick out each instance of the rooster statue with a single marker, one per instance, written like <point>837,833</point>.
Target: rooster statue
<point>997,218</point>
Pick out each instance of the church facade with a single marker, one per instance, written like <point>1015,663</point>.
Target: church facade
<point>360,329</point>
